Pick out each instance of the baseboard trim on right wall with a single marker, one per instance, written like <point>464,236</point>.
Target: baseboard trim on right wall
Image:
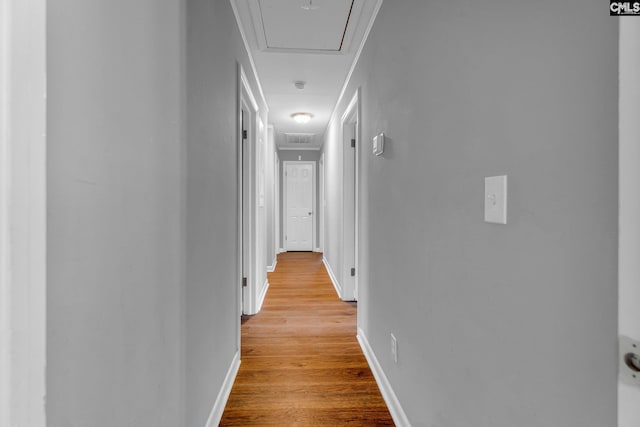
<point>389,396</point>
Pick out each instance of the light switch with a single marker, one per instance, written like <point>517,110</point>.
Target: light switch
<point>495,199</point>
<point>378,144</point>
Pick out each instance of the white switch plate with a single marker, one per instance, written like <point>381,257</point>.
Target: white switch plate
<point>378,144</point>
<point>495,199</point>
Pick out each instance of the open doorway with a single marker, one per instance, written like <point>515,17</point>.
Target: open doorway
<point>321,203</point>
<point>249,273</point>
<point>350,147</point>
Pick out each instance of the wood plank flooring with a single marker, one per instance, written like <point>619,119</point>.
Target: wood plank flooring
<point>301,362</point>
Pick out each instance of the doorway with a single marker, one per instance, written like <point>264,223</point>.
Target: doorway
<point>249,269</point>
<point>299,205</point>
<point>245,216</point>
<point>322,203</point>
<point>350,152</point>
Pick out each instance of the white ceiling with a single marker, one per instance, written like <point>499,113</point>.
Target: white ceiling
<point>290,41</point>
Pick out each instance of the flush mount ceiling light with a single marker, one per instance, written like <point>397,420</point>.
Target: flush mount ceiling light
<point>299,84</point>
<point>309,6</point>
<point>302,117</point>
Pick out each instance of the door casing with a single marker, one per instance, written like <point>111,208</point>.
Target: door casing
<point>23,207</point>
<point>629,205</point>
<point>350,198</point>
<point>247,199</point>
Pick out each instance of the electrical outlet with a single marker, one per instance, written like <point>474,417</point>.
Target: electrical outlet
<point>394,348</point>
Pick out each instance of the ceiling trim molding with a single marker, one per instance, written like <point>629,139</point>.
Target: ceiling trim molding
<point>247,47</point>
<point>374,15</point>
<point>255,10</point>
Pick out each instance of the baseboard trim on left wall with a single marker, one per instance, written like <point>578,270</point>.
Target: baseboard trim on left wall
<point>223,394</point>
<point>334,279</point>
<point>272,267</point>
<point>263,294</point>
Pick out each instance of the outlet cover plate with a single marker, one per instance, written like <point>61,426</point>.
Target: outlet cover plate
<point>394,348</point>
<point>495,199</point>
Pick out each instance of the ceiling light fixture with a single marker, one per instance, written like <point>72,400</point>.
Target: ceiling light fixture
<point>302,118</point>
<point>299,84</point>
<point>309,6</point>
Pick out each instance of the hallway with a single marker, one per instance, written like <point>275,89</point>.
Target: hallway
<point>301,362</point>
<point>476,190</point>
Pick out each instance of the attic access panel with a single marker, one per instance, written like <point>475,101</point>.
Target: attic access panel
<point>293,25</point>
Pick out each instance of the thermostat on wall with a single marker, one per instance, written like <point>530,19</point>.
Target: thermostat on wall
<point>378,144</point>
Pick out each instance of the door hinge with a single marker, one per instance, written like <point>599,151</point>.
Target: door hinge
<point>353,143</point>
<point>244,134</point>
<point>244,282</point>
<point>353,271</point>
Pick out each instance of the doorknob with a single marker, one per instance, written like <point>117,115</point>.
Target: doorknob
<point>310,213</point>
<point>629,351</point>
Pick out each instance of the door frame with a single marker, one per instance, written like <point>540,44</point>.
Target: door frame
<point>276,201</point>
<point>629,206</point>
<point>350,126</point>
<point>322,203</point>
<point>247,298</point>
<point>23,206</point>
<point>313,200</point>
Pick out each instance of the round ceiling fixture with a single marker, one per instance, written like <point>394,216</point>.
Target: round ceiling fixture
<point>299,84</point>
<point>302,118</point>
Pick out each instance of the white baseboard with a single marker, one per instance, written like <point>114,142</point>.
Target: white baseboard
<point>262,295</point>
<point>272,268</point>
<point>223,395</point>
<point>389,396</point>
<point>317,250</point>
<point>281,250</point>
<point>332,276</point>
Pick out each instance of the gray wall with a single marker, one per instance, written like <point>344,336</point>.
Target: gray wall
<point>214,50</point>
<point>496,325</point>
<point>142,302</point>
<point>115,213</point>
<point>305,156</point>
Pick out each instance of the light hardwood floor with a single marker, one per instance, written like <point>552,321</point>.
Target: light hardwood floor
<point>301,362</point>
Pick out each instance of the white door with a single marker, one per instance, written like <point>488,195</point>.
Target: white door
<point>299,197</point>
